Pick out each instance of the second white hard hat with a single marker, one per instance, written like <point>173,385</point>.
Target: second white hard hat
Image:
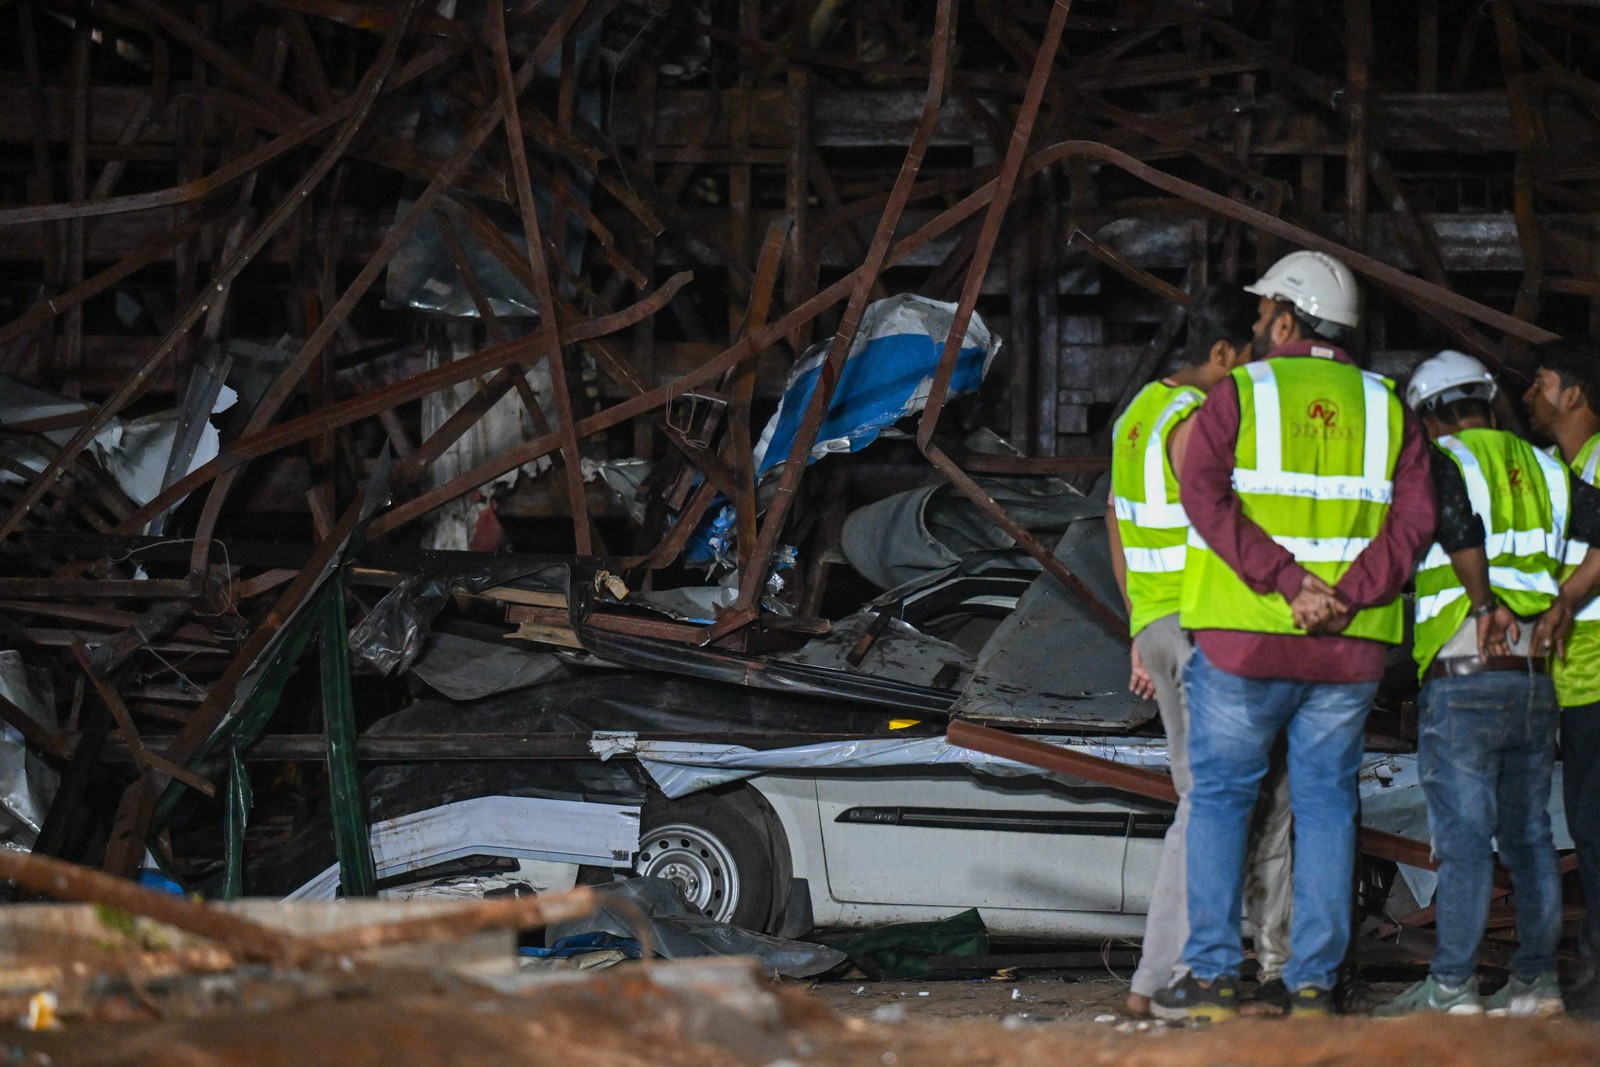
<point>1314,282</point>
<point>1450,375</point>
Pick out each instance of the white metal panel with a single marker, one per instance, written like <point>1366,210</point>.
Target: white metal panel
<point>567,831</point>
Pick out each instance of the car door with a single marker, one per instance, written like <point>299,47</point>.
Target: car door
<point>952,838</point>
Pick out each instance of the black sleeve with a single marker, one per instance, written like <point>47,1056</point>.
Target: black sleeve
<point>1585,523</point>
<point>1459,526</point>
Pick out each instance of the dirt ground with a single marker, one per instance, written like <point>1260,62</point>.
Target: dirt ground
<point>711,1013</point>
<point>1029,1000</point>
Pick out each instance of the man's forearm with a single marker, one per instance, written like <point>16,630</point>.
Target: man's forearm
<point>1472,569</point>
<point>1581,583</point>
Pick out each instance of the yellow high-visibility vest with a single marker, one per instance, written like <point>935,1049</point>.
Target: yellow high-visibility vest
<point>1523,497</point>
<point>1144,490</point>
<point>1314,468</point>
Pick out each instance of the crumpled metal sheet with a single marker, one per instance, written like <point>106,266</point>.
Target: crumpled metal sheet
<point>563,831</point>
<point>901,652</point>
<point>133,451</point>
<point>1051,662</point>
<point>27,782</point>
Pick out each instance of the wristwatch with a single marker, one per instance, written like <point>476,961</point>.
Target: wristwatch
<point>1486,608</point>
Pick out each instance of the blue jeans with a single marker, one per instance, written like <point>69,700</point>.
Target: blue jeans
<point>1485,749</point>
<point>1233,722</point>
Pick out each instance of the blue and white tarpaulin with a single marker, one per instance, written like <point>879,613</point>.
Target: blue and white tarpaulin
<point>887,375</point>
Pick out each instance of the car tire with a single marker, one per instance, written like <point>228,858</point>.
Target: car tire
<point>718,856</point>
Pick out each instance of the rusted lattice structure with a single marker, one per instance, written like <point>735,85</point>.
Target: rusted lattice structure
<point>510,245</point>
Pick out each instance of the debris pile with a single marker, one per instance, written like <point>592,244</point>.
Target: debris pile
<point>580,429</point>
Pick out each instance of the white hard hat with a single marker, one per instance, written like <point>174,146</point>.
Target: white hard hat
<point>1321,287</point>
<point>1450,375</point>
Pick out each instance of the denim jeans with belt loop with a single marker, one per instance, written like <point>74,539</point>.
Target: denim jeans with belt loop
<point>1233,723</point>
<point>1486,752</point>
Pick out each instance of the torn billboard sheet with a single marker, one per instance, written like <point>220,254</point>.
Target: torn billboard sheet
<point>886,376</point>
<point>683,767</point>
<point>27,783</point>
<point>468,522</point>
<point>134,452</point>
<point>1051,661</point>
<point>679,932</point>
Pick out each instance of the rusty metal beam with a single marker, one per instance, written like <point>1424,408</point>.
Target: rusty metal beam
<point>354,114</point>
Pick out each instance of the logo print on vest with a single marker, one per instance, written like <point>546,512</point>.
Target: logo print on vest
<point>1324,411</point>
<point>1133,434</point>
<point>1514,477</point>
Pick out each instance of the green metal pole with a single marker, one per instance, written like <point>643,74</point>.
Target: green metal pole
<point>237,817</point>
<point>357,875</point>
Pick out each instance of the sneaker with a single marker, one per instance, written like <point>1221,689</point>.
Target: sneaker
<point>1194,1000</point>
<point>1433,995</point>
<point>1522,1000</point>
<point>1311,1002</point>
<point>1272,998</point>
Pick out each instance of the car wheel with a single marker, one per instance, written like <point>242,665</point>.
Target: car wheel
<point>720,859</point>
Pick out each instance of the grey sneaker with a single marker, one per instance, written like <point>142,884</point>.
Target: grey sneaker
<point>1432,995</point>
<point>1523,1000</point>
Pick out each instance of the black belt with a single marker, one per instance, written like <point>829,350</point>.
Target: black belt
<point>1458,666</point>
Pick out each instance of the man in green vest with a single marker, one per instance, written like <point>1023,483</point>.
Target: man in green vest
<point>1307,490</point>
<point>1148,532</point>
<point>1488,599</point>
<point>1564,407</point>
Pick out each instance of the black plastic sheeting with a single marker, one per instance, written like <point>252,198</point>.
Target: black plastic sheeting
<point>392,635</point>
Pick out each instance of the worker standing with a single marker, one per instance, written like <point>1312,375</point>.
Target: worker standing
<point>1307,487</point>
<point>1148,533</point>
<point>1486,744</point>
<point>1564,406</point>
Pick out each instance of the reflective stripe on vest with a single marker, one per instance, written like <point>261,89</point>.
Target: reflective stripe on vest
<point>1314,465</point>
<point>1150,518</point>
<point>1523,498</point>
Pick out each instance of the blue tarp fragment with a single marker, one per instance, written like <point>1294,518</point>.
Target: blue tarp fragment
<point>886,376</point>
